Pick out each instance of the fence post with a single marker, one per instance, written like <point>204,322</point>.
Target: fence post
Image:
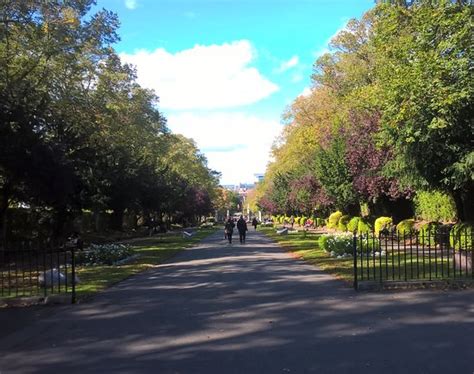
<point>73,275</point>
<point>354,255</point>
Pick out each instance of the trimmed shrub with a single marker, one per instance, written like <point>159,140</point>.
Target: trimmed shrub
<point>323,242</point>
<point>406,227</point>
<point>303,220</point>
<point>333,220</point>
<point>364,226</point>
<point>461,235</point>
<point>382,223</point>
<point>427,233</point>
<point>343,221</point>
<point>353,224</point>
<point>434,206</point>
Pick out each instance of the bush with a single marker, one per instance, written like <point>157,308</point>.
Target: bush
<point>343,221</point>
<point>368,243</point>
<point>427,233</point>
<point>364,227</point>
<point>461,235</point>
<point>339,244</point>
<point>323,242</point>
<point>381,224</point>
<point>353,224</point>
<point>104,254</point>
<point>405,227</point>
<point>333,220</point>
<point>303,220</point>
<point>434,206</point>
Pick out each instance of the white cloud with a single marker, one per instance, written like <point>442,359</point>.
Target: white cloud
<point>306,92</point>
<point>203,77</point>
<point>131,4</point>
<point>286,65</point>
<point>235,143</point>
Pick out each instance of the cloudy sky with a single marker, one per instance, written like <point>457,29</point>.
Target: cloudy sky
<point>226,69</point>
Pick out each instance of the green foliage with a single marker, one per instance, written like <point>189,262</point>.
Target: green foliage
<point>461,236</point>
<point>434,206</point>
<point>405,227</point>
<point>320,222</point>
<point>427,233</point>
<point>368,243</point>
<point>343,222</point>
<point>333,220</point>
<point>382,223</point>
<point>364,227</point>
<point>424,60</point>
<point>353,224</point>
<point>338,244</point>
<point>323,242</point>
<point>333,174</point>
<point>105,254</point>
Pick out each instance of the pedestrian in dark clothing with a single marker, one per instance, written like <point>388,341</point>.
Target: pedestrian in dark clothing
<point>229,229</point>
<point>255,223</point>
<point>242,227</point>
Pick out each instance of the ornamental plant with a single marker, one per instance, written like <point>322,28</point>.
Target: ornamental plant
<point>333,220</point>
<point>104,254</point>
<point>427,233</point>
<point>382,223</point>
<point>343,221</point>
<point>339,244</point>
<point>461,236</point>
<point>353,224</point>
<point>406,227</point>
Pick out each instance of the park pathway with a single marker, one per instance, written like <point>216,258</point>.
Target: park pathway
<point>246,309</point>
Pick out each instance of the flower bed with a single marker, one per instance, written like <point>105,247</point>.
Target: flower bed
<point>104,254</point>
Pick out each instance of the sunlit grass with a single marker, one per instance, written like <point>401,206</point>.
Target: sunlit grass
<point>150,252</point>
<point>305,246</point>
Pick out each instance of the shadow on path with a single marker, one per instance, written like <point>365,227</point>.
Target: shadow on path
<point>248,309</point>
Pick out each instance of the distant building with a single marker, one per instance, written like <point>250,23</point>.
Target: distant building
<point>258,177</point>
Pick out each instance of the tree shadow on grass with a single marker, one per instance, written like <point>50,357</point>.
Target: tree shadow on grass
<point>248,309</point>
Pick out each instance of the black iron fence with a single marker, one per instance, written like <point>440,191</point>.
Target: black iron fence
<point>37,268</point>
<point>414,256</point>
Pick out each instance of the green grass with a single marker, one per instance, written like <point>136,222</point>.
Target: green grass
<point>306,247</point>
<point>150,251</point>
<point>392,267</point>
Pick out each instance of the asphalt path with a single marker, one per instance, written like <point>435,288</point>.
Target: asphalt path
<point>247,308</point>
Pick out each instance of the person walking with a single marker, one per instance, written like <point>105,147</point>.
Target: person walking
<point>229,229</point>
<point>242,227</point>
<point>255,223</point>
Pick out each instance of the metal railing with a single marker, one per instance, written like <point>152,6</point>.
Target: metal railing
<point>29,269</point>
<point>408,257</point>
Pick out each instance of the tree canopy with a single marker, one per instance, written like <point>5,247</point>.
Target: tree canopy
<point>390,113</point>
<point>77,132</point>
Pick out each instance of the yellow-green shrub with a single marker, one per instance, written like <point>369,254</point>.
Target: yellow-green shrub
<point>333,220</point>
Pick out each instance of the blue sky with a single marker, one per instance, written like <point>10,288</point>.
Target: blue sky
<point>226,69</point>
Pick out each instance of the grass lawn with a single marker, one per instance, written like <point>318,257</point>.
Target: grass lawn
<point>151,251</point>
<point>306,247</point>
<point>398,265</point>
